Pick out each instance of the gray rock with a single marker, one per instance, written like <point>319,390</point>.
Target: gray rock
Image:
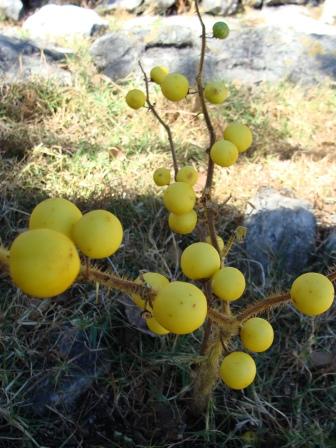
<point>112,5</point>
<point>54,21</point>
<point>83,362</point>
<point>329,12</point>
<point>12,9</point>
<point>280,233</point>
<point>327,251</point>
<point>253,3</point>
<point>158,6</point>
<point>284,2</point>
<point>275,54</point>
<point>220,7</point>
<point>21,60</point>
<point>170,36</point>
<point>116,54</point>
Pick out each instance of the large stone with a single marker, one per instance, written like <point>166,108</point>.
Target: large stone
<point>274,54</point>
<point>280,233</point>
<point>111,5</point>
<point>12,9</point>
<point>329,12</point>
<point>220,7</point>
<point>284,2</point>
<point>116,54</point>
<point>54,21</point>
<point>21,60</point>
<point>158,6</point>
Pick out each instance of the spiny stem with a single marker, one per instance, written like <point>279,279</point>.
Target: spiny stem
<point>228,324</point>
<point>164,124</point>
<point>263,305</point>
<point>109,280</point>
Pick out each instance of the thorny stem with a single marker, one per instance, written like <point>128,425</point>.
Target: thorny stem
<point>212,135</point>
<point>263,305</point>
<point>164,124</point>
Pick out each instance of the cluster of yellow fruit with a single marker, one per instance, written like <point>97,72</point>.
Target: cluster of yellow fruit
<point>181,307</point>
<point>311,293</point>
<point>179,198</point>
<point>44,260</point>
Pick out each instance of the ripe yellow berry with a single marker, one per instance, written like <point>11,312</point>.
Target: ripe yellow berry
<point>43,262</point>
<point>312,293</point>
<point>183,224</point>
<point>179,198</point>
<point>187,174</point>
<point>158,74</point>
<point>238,370</point>
<point>155,327</point>
<point>199,261</point>
<point>240,135</point>
<point>257,334</point>
<point>228,283</point>
<point>136,98</point>
<point>216,92</point>
<point>220,30</point>
<point>220,242</point>
<point>161,177</point>
<point>55,213</point>
<point>175,87</point>
<point>180,307</point>
<point>224,153</point>
<point>152,279</point>
<point>98,234</point>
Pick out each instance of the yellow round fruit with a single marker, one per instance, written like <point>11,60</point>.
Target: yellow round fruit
<point>224,153</point>
<point>43,262</point>
<point>240,135</point>
<point>182,224</point>
<point>179,198</point>
<point>238,370</point>
<point>216,92</point>
<point>55,213</point>
<point>175,87</point>
<point>312,293</point>
<point>161,177</point>
<point>152,279</point>
<point>158,74</point>
<point>199,261</point>
<point>136,98</point>
<point>187,174</point>
<point>228,283</point>
<point>257,334</point>
<point>155,327</point>
<point>220,242</point>
<point>98,234</point>
<point>180,307</point>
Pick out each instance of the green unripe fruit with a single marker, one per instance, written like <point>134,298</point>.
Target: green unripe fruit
<point>240,135</point>
<point>220,30</point>
<point>175,87</point>
<point>158,74</point>
<point>216,92</point>
<point>224,153</point>
<point>135,99</point>
<point>161,177</point>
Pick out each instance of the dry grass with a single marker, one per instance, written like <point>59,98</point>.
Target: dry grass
<point>81,142</point>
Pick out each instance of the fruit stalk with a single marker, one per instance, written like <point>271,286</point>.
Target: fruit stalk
<point>164,124</point>
<point>206,375</point>
<point>109,280</point>
<point>264,305</point>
